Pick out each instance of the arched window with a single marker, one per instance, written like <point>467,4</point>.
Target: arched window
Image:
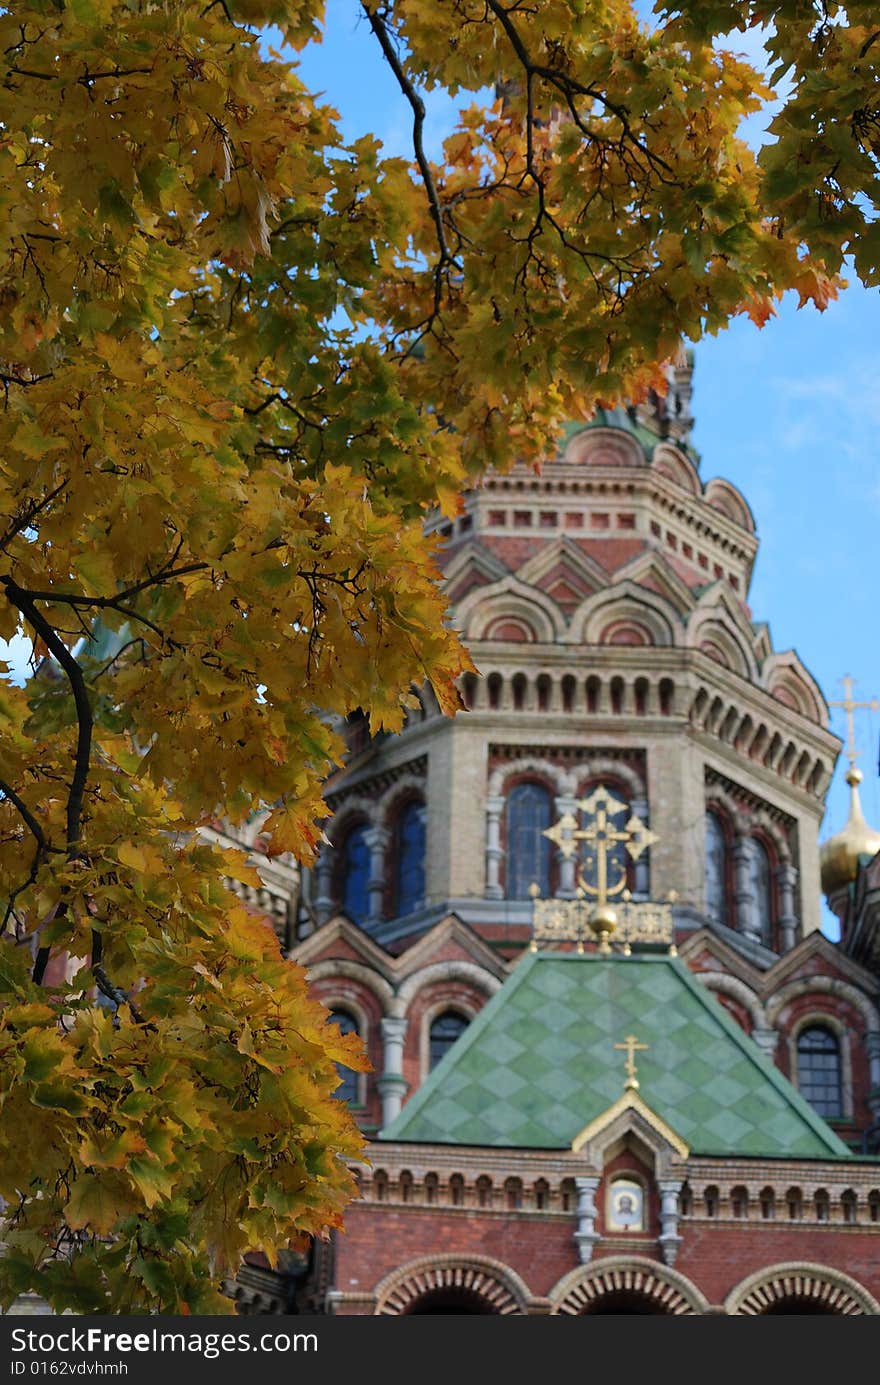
<point>348,1086</point>
<point>354,894</point>
<point>409,856</point>
<point>761,890</point>
<point>444,1031</point>
<point>818,1066</point>
<point>529,810</point>
<point>716,870</point>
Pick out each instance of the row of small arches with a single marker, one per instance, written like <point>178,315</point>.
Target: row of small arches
<point>754,740</point>
<point>595,696</point>
<point>455,1190</point>
<point>793,1205</point>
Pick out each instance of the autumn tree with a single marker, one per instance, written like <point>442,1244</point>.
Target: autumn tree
<point>240,362</point>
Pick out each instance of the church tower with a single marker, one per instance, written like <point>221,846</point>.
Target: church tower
<point>670,1115</point>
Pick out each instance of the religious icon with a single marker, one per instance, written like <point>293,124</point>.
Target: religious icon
<point>626,1205</point>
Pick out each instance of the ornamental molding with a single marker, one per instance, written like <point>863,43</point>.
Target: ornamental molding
<point>333,968</point>
<point>498,1286</point>
<point>826,1287</point>
<point>370,790</point>
<point>584,1288</point>
<point>827,986</point>
<point>453,970</point>
<point>511,597</point>
<point>566,766</point>
<point>626,599</point>
<point>723,984</point>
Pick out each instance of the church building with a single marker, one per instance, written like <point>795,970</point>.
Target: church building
<point>617,1066</point>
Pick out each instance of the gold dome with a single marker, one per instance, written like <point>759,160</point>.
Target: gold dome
<point>839,856</point>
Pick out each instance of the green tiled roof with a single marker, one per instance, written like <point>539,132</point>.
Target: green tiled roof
<point>538,1064</point>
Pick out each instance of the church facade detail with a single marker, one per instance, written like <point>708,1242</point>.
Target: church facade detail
<point>513,1165</point>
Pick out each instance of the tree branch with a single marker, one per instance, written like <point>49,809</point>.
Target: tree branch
<point>24,602</point>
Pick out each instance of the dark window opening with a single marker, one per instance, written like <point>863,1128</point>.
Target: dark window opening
<point>410,859</point>
<point>444,1032</point>
<point>819,1070</point>
<point>348,1086</point>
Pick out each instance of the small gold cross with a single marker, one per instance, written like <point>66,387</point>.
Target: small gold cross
<point>631,1045</point>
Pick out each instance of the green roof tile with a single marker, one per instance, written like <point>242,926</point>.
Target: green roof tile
<point>538,1064</point>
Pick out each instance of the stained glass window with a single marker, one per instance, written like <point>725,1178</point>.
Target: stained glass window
<point>529,809</point>
<point>410,859</point>
<point>445,1029</point>
<point>356,875</point>
<point>348,1087</point>
<point>819,1076</point>
<point>716,870</point>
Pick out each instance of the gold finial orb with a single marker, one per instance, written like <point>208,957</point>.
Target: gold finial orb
<point>603,922</point>
<point>839,856</point>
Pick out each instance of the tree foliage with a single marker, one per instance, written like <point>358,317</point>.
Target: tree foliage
<point>821,164</point>
<point>240,362</point>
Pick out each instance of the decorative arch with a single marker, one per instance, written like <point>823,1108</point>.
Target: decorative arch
<point>489,1281</point>
<point>625,602</point>
<point>332,967</point>
<point>723,984</point>
<point>564,781</point>
<point>786,679</point>
<point>725,498</point>
<point>626,631</point>
<point>603,447</point>
<point>721,645</point>
<point>667,1290</point>
<point>407,786</point>
<point>803,1282</point>
<point>671,462</point>
<point>606,767</point>
<point>510,630</point>
<point>455,970</point>
<point>716,618</point>
<point>510,599</point>
<point>824,985</point>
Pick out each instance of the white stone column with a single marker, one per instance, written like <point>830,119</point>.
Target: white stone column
<point>376,839</point>
<point>786,880</point>
<point>586,1234</point>
<point>670,1190</point>
<point>323,902</point>
<point>494,852</point>
<point>392,1084</point>
<point>745,901</point>
<point>565,803</point>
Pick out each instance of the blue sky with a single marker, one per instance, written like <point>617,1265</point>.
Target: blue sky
<point>790,414</point>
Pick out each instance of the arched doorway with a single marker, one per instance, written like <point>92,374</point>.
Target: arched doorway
<point>450,1300</point>
<point>623,1301</point>
<point>802,1289</point>
<point>451,1284</point>
<point>622,1285</point>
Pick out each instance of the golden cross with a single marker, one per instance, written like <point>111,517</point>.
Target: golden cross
<point>602,836</point>
<point>631,1046</point>
<point>849,706</point>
